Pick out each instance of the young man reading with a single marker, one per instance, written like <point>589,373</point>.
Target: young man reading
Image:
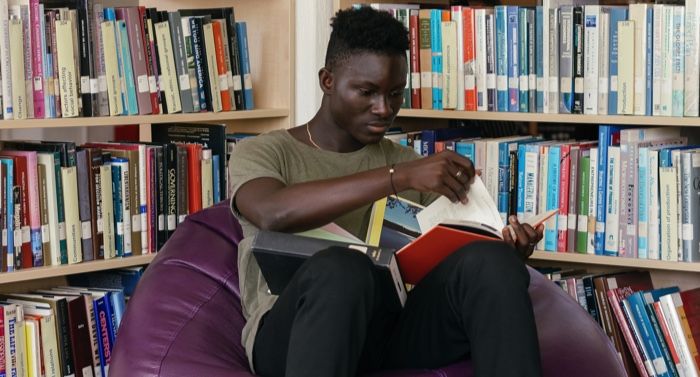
<point>330,320</point>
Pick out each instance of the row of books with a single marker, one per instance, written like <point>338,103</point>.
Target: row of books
<point>657,331</point>
<point>67,59</point>
<point>554,59</point>
<point>631,193</point>
<point>62,331</point>
<point>62,204</point>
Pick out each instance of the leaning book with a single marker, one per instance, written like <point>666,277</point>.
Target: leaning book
<point>280,255</point>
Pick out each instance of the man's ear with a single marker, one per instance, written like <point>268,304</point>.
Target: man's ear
<point>325,80</point>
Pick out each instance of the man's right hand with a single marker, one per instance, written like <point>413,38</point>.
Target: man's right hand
<point>446,173</point>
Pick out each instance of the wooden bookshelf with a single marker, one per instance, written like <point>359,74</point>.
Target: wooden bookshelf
<point>72,269</point>
<point>228,116</point>
<point>552,118</point>
<point>588,259</point>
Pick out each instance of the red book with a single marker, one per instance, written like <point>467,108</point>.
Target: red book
<point>414,52</point>
<point>221,66</point>
<point>194,176</point>
<point>615,297</point>
<point>419,257</point>
<point>691,305</point>
<point>22,231</point>
<point>563,198</point>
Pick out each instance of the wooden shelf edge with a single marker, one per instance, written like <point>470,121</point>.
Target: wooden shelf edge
<point>615,261</point>
<point>552,118</point>
<point>144,119</point>
<point>36,273</point>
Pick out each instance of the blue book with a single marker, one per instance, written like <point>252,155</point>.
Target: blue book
<point>436,48</point>
<point>105,330</point>
<point>513,59</point>
<point>504,150</point>
<point>550,232</point>
<point>429,137</point>
<point>605,139</point>
<point>216,177</point>
<point>242,29</point>
<point>523,62</point>
<point>539,56</point>
<point>649,54</point>
<point>651,349</point>
<point>111,15</point>
<point>9,211</point>
<point>466,149</point>
<point>649,298</point>
<point>501,58</point>
<point>131,101</point>
<point>616,14</point>
<point>117,196</point>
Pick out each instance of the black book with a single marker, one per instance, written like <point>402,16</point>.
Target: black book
<point>200,61</point>
<point>280,255</point>
<point>578,61</point>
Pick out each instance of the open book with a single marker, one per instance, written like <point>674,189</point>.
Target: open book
<point>423,237</point>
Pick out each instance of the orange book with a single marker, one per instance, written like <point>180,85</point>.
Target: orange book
<point>221,67</point>
<point>469,59</point>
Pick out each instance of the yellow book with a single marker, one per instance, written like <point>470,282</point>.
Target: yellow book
<point>207,184</point>
<point>66,69</point>
<point>210,52</point>
<point>31,331</point>
<point>111,68</point>
<point>19,92</point>
<point>168,75</point>
<point>376,222</point>
<point>69,178</point>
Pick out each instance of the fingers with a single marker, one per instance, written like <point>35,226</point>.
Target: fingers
<point>525,234</point>
<point>455,188</point>
<point>463,164</point>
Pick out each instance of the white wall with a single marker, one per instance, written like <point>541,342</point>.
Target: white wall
<point>312,32</point>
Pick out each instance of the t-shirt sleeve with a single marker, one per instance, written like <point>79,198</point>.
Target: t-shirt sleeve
<point>257,157</point>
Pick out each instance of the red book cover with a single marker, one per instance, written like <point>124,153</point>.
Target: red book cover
<point>419,257</point>
<point>562,222</point>
<point>25,258</point>
<point>665,331</point>
<point>414,53</point>
<point>194,176</point>
<point>221,67</point>
<point>691,305</point>
<point>469,59</point>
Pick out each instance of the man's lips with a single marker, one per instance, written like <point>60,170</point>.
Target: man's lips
<point>378,127</point>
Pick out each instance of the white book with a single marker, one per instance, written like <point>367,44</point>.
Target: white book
<point>108,226</point>
<point>19,89</point>
<point>5,61</point>
<point>210,51</point>
<point>668,307</point>
<point>461,78</point>
<point>691,73</point>
<point>653,224</point>
<point>47,161</point>
<point>666,89</point>
<point>69,178</point>
<point>612,217</point>
<point>480,55</point>
<point>450,78</point>
<point>603,60</point>
<point>626,61</point>
<point>27,48</point>
<point>668,205</point>
<point>591,23</point>
<point>638,14</point>
<point>676,160</point>
<point>592,200</point>
<point>678,61</point>
<point>112,75</point>
<point>658,36</point>
<point>168,75</point>
<point>532,162</point>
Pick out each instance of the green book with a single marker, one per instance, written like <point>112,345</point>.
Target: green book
<point>584,178</point>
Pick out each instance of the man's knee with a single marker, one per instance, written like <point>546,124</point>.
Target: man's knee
<point>346,270</point>
<point>494,260</point>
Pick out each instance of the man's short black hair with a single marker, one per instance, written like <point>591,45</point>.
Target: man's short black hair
<point>364,29</point>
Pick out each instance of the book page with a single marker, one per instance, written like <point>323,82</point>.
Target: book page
<point>480,208</point>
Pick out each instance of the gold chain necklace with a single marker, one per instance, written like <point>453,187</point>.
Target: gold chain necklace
<point>308,132</point>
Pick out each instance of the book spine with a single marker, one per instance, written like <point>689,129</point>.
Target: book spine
<point>668,213</point>
<point>210,52</point>
<point>626,58</point>
<point>531,61</point>
<point>242,29</point>
<point>539,59</point>
<point>637,33</point>
<point>592,28</point>
<point>593,200</point>
<point>614,298</point>
<point>73,224</point>
<point>67,75</point>
<point>180,58</point>
<point>678,67</point>
<point>603,60</point>
<point>564,182</point>
<point>643,203</point>
<point>612,204</point>
<point>151,59</point>
<point>470,63</point>
<point>138,60</point>
<point>37,54</point>
<point>691,97</point>
<point>578,68</point>
<point>436,49</point>
<point>168,76</point>
<point>425,43</point>
<point>84,212</point>
<point>491,65</point>
<point>200,63</point>
<point>566,59</point>
<point>99,58</point>
<point>501,58</point>
<point>513,69</point>
<point>456,55</point>
<point>553,170</point>
<point>523,62</point>
<point>552,58</point>
<point>583,201</point>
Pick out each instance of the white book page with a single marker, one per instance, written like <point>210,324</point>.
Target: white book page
<point>480,208</point>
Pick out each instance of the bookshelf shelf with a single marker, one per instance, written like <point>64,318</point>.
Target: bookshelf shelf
<point>615,261</point>
<point>552,118</point>
<point>144,119</point>
<point>79,268</point>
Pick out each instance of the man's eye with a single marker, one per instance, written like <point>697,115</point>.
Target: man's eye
<point>396,93</point>
<point>365,92</point>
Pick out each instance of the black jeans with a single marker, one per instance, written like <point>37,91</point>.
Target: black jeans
<point>330,320</point>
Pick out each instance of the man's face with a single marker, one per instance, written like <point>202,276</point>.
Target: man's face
<point>367,93</point>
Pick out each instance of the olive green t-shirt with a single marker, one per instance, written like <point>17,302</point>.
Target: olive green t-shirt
<point>280,156</point>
